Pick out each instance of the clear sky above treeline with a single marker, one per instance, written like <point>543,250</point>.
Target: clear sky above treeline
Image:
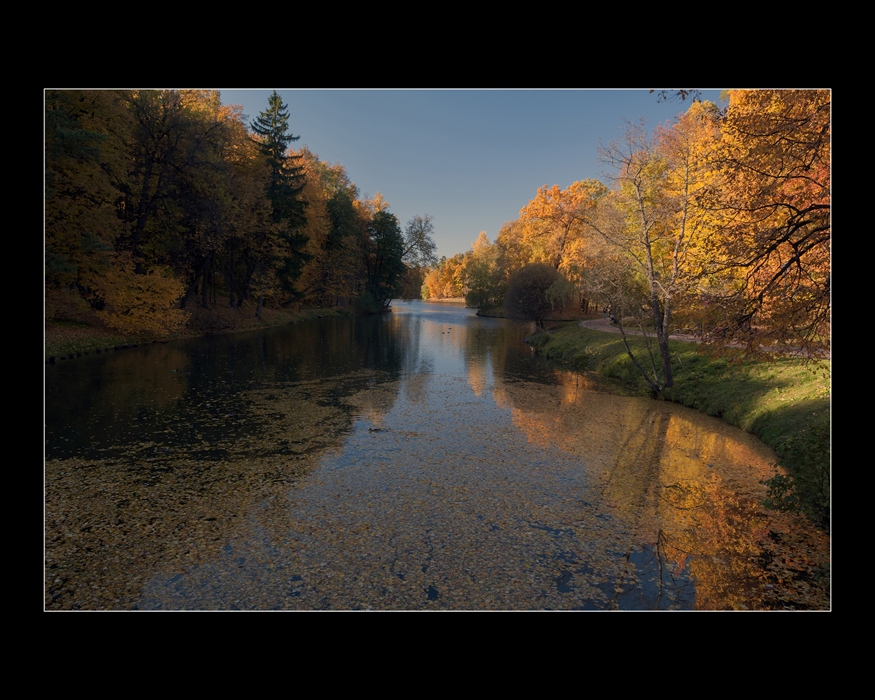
<point>470,158</point>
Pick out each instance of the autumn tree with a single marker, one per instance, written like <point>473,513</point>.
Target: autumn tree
<point>657,216</point>
<point>419,245</point>
<point>485,282</point>
<point>612,282</point>
<point>141,303</point>
<point>168,141</point>
<point>513,253</point>
<point>553,228</point>
<point>418,255</point>
<point>149,193</point>
<point>245,250</point>
<point>192,200</point>
<point>204,205</point>
<point>317,192</point>
<point>772,284</point>
<point>678,94</point>
<point>137,158</point>
<point>195,197</point>
<point>82,165</point>
<point>447,279</point>
<point>346,243</point>
<point>432,286</point>
<point>553,223</point>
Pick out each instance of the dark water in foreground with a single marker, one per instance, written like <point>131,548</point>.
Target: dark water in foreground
<point>422,460</point>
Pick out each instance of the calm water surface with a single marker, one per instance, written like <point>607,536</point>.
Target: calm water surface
<point>420,460</point>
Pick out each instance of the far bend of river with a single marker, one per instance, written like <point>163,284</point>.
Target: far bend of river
<point>419,460</point>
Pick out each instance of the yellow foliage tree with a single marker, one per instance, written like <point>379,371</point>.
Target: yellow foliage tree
<point>447,279</point>
<point>316,193</point>
<point>553,223</point>
<point>140,304</point>
<point>336,226</point>
<point>775,247</point>
<point>657,216</point>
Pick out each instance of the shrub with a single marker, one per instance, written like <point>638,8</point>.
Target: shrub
<point>534,291</point>
<point>141,304</point>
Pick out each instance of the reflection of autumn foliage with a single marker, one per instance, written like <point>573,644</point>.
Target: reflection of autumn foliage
<point>557,419</point>
<point>683,486</point>
<point>478,376</point>
<point>88,400</point>
<point>375,403</point>
<point>736,555</point>
<point>719,532</point>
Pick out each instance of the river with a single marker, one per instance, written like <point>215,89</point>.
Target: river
<point>424,459</point>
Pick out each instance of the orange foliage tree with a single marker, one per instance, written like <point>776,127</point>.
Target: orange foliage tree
<point>553,223</point>
<point>774,259</point>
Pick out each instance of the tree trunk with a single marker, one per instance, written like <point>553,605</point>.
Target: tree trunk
<point>662,341</point>
<point>206,276</point>
<point>668,377</point>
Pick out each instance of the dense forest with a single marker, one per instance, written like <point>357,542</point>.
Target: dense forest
<point>160,200</point>
<point>157,200</point>
<point>718,223</point>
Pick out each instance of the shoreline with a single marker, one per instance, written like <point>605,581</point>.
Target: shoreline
<point>67,337</point>
<point>785,402</point>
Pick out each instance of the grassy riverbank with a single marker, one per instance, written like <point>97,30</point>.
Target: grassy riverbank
<point>784,402</point>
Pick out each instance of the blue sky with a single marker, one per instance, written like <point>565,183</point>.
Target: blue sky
<point>470,158</point>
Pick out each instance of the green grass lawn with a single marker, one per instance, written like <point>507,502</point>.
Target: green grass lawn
<point>785,402</point>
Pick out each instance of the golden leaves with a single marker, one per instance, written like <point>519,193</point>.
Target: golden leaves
<point>140,303</point>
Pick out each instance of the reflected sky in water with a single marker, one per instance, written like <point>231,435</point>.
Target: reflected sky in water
<point>420,460</point>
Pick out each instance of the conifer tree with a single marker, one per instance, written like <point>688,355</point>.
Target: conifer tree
<point>285,185</point>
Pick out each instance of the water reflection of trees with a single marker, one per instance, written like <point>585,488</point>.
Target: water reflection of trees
<point>164,507</point>
<point>681,492</point>
<point>86,397</point>
<point>194,391</point>
<point>173,444</point>
<point>649,507</point>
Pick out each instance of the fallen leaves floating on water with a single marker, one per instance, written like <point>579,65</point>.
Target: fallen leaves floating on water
<point>454,492</point>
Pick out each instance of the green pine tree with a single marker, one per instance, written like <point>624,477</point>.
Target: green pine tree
<point>284,188</point>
